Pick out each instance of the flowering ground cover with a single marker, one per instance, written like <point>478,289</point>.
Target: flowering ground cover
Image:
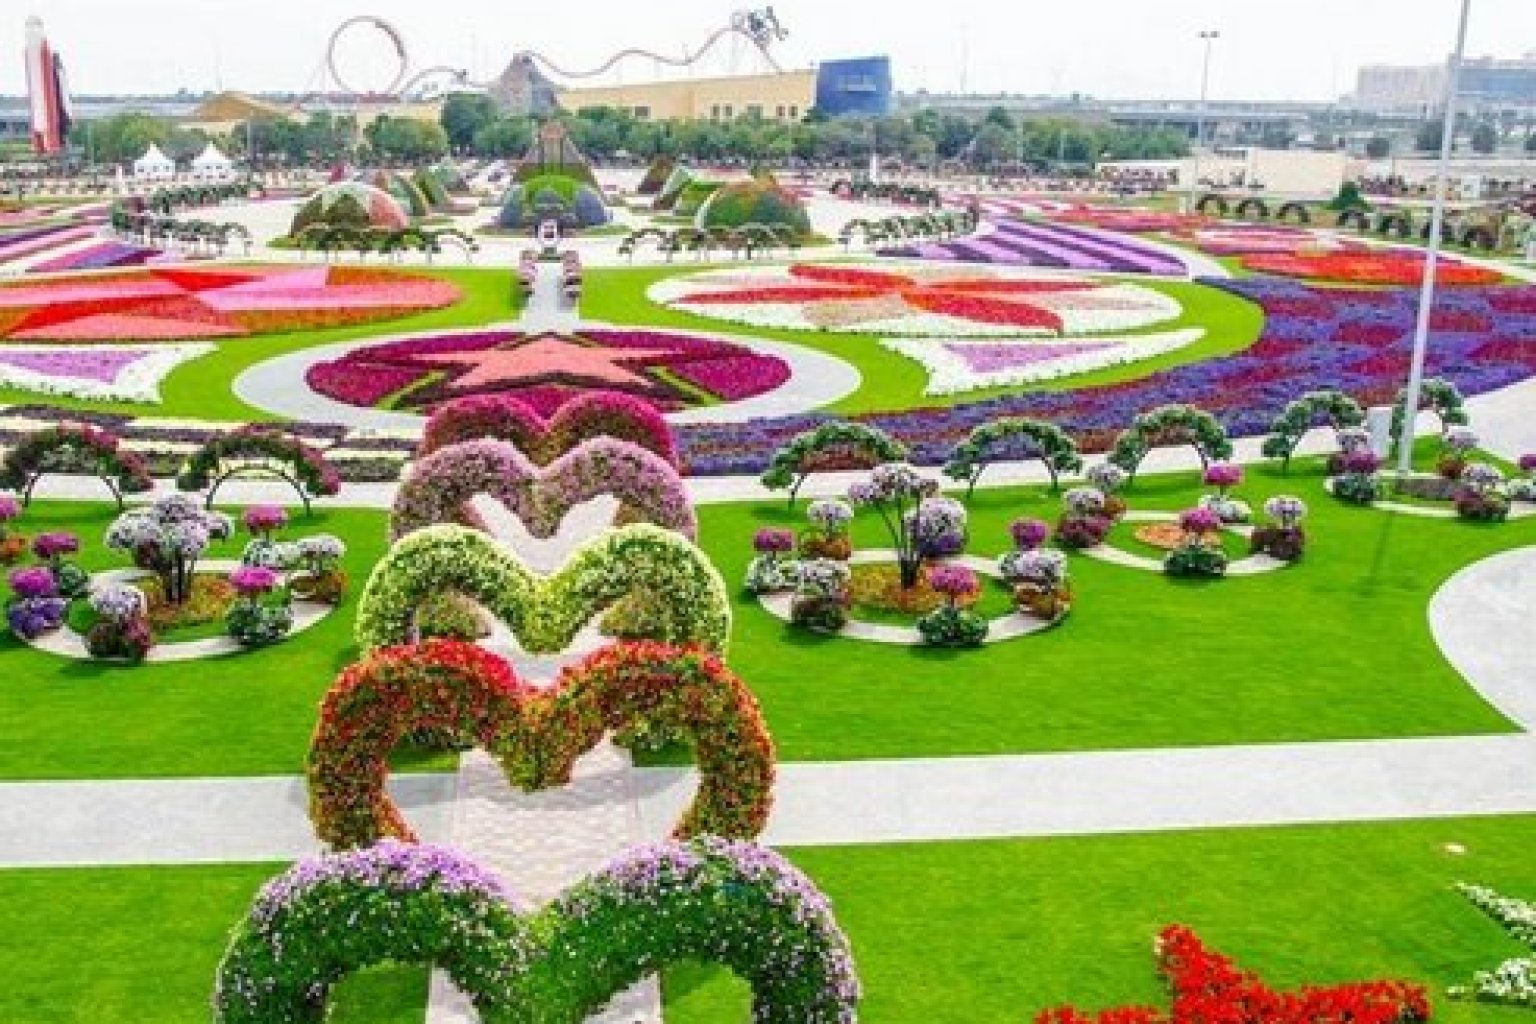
<point>956,366</point>
<point>1376,266</point>
<point>223,302</point>
<point>1129,218</point>
<point>1247,239</point>
<point>916,301</point>
<point>1357,341</point>
<point>1041,244</point>
<point>123,373</point>
<point>29,241</point>
<point>101,256</point>
<point>977,931</point>
<point>671,371</point>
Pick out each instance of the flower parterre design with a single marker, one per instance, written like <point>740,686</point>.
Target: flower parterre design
<point>956,366</point>
<point>1357,341</point>
<point>537,734</point>
<point>711,901</point>
<point>1019,243</point>
<point>545,371</point>
<point>176,304</point>
<point>1393,267</point>
<point>915,302</point>
<point>105,373</point>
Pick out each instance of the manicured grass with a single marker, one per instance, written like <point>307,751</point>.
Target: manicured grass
<point>1337,647</point>
<point>994,932</point>
<point>246,714</point>
<point>200,389</point>
<point>973,932</point>
<point>893,382</point>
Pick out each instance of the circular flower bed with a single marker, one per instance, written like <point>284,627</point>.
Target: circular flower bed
<point>227,302</point>
<point>1394,266</point>
<point>670,371</point>
<point>917,301</point>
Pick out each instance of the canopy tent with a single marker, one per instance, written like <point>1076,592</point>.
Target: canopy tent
<point>212,164</point>
<point>154,164</point>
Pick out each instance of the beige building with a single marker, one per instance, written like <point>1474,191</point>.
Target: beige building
<point>222,114</point>
<point>785,96</point>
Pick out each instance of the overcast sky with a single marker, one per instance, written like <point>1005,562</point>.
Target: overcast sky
<point>1269,49</point>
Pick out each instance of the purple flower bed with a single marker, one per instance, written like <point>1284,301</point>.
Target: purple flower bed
<point>98,257</point>
<point>1358,341</point>
<point>19,244</point>
<point>1035,244</point>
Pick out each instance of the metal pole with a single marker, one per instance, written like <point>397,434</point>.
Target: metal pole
<point>1209,37</point>
<point>1432,255</point>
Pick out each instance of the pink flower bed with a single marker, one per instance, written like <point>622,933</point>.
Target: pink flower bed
<point>546,371</point>
<point>182,303</point>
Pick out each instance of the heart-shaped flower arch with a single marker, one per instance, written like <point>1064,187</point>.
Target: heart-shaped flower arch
<point>438,489</point>
<point>590,414</point>
<point>458,688</point>
<point>711,901</point>
<point>686,600</point>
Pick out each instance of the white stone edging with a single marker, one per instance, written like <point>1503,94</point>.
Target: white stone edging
<point>1252,565</point>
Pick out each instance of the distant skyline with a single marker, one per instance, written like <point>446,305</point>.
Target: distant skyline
<point>1111,49</point>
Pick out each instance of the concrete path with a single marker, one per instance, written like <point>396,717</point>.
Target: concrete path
<point>1480,619</point>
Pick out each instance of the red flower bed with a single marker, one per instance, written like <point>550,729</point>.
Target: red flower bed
<point>1208,988</point>
<point>1390,267</point>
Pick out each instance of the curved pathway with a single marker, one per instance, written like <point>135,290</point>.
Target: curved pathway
<point>1479,617</point>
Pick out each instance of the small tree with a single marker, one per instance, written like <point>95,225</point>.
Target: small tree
<point>1379,147</point>
<point>1428,137</point>
<point>897,492</point>
<point>1485,138</point>
<point>168,538</point>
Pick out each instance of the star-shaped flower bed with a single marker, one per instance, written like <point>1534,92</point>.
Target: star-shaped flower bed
<point>917,302</point>
<point>1208,988</point>
<point>166,304</point>
<point>671,371</point>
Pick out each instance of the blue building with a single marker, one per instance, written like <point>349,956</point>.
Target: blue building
<point>858,86</point>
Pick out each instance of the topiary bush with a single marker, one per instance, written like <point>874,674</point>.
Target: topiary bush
<point>457,690</point>
<point>754,202</point>
<point>711,901</point>
<point>545,613</point>
<point>566,200</point>
<point>350,204</point>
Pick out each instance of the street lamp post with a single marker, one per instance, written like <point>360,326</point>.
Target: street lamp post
<point>1209,37</point>
<point>1432,254</point>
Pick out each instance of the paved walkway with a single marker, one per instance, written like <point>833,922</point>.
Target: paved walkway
<point>1478,618</point>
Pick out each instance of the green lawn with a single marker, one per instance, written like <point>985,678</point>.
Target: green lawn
<point>964,932</point>
<point>247,714</point>
<point>200,389</point>
<point>1334,648</point>
<point>893,382</point>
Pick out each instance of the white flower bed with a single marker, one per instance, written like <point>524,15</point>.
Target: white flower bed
<point>949,373</point>
<point>136,381</point>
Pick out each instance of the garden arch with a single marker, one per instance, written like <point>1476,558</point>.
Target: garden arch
<point>1253,208</point>
<point>832,445</point>
<point>459,689</point>
<point>440,488</point>
<point>1437,395</point>
<point>710,901</point>
<point>74,450</point>
<point>1213,202</point>
<point>1355,218</point>
<point>259,452</point>
<point>686,599</point>
<point>1171,425</point>
<point>1039,440</point>
<point>1324,407</point>
<point>1294,211</point>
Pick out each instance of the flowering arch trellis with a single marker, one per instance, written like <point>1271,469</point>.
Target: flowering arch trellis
<point>686,600</point>
<point>450,687</point>
<point>711,901</point>
<point>1439,396</point>
<point>1329,405</point>
<point>259,452</point>
<point>70,449</point>
<point>1171,425</point>
<point>835,445</point>
<point>1043,441</point>
<point>439,488</point>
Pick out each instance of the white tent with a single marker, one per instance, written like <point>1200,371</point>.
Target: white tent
<point>154,164</point>
<point>212,165</point>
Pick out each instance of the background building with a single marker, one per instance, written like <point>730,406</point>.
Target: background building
<point>1487,84</point>
<point>836,88</point>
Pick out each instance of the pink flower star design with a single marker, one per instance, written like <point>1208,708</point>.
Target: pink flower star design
<point>549,358</point>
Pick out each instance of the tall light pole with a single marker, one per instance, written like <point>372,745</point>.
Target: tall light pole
<point>1209,37</point>
<point>1432,254</point>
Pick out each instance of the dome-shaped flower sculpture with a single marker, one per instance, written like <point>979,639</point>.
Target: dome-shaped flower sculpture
<point>755,202</point>
<point>350,204</point>
<point>569,201</point>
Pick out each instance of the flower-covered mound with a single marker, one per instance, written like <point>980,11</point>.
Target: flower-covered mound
<point>670,371</point>
<point>710,901</point>
<point>174,304</point>
<point>1358,341</point>
<point>919,301</point>
<point>1380,266</point>
<point>352,204</point>
<point>107,373</point>
<point>955,366</point>
<point>1038,244</point>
